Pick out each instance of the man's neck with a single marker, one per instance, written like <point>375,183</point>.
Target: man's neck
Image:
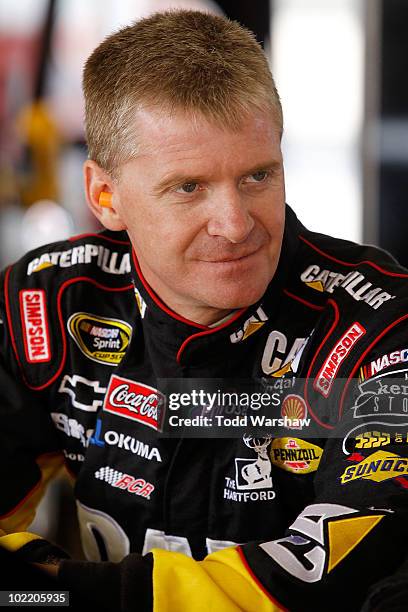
<point>211,317</point>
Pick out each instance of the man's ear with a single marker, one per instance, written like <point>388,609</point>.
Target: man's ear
<point>98,181</point>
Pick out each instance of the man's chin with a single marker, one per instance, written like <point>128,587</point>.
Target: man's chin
<point>235,299</point>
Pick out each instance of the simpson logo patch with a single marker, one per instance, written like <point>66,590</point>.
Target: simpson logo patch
<point>378,467</point>
<point>133,400</point>
<point>35,325</point>
<point>295,455</point>
<point>328,372</point>
<point>100,339</point>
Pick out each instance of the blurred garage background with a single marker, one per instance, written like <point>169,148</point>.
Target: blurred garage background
<point>340,67</point>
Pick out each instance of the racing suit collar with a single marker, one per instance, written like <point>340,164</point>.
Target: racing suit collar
<point>191,343</point>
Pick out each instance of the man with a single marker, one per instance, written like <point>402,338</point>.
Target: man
<point>218,281</point>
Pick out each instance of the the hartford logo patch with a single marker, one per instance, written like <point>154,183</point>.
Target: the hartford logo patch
<point>119,480</point>
<point>35,325</point>
<point>133,400</point>
<point>328,372</point>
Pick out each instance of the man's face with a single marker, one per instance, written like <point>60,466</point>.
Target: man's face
<point>204,209</point>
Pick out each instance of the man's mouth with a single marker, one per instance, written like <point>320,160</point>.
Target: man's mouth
<point>233,258</point>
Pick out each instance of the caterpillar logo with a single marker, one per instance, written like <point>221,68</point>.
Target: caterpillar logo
<point>100,339</point>
<point>295,455</point>
<point>111,262</point>
<point>354,283</point>
<point>250,326</point>
<point>377,467</point>
<point>281,356</point>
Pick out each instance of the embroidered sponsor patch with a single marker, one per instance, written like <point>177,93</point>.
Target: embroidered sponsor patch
<point>126,482</point>
<point>281,357</point>
<point>252,474</point>
<point>101,339</point>
<point>250,326</point>
<point>107,260</point>
<point>328,372</point>
<point>83,392</point>
<point>383,362</point>
<point>354,283</point>
<point>124,441</point>
<point>133,400</point>
<point>295,455</point>
<point>34,320</point>
<point>295,411</point>
<point>378,467</point>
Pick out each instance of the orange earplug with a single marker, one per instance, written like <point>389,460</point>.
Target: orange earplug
<point>105,199</point>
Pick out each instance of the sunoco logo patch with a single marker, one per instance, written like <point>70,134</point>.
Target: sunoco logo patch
<point>100,339</point>
<point>378,467</point>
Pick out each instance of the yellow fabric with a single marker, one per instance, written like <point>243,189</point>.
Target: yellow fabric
<point>219,582</point>
<point>15,541</point>
<point>23,515</point>
<point>345,534</point>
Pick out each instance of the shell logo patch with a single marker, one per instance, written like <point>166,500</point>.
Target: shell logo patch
<point>295,455</point>
<point>99,338</point>
<point>294,408</point>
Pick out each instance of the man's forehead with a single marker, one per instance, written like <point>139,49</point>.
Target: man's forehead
<point>158,129</point>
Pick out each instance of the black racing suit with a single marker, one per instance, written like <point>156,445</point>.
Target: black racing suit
<point>84,342</point>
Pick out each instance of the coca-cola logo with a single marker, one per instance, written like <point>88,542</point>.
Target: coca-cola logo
<point>133,400</point>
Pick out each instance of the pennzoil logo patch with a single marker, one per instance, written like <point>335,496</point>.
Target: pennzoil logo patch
<point>295,455</point>
<point>378,467</point>
<point>100,339</point>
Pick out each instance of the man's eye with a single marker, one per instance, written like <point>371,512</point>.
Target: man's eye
<point>258,177</point>
<point>187,188</point>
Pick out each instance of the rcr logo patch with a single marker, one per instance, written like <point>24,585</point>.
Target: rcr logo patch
<point>101,339</point>
<point>126,482</point>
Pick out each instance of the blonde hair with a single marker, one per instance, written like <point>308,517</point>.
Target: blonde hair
<point>177,60</point>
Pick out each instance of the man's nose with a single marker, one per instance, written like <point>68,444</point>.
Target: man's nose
<point>230,217</point>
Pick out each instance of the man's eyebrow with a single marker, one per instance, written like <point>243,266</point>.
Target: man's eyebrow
<point>274,164</point>
<point>178,178</point>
